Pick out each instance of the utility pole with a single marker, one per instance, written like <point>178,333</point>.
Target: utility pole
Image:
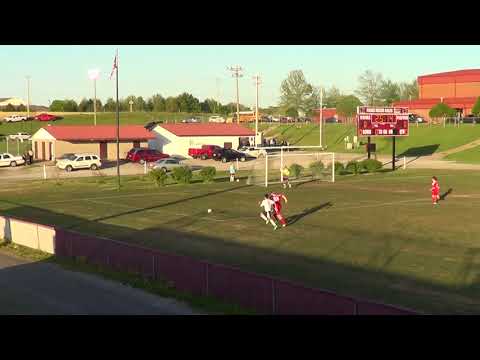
<point>28,96</point>
<point>320,118</point>
<point>236,73</point>
<point>257,82</point>
<point>217,100</point>
<point>95,101</point>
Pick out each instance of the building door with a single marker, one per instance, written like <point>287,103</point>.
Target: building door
<point>43,150</point>
<point>227,145</point>
<point>103,150</point>
<point>136,144</point>
<point>50,151</point>
<point>36,149</point>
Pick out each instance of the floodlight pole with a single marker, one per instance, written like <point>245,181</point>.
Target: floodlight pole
<point>257,82</point>
<point>28,97</point>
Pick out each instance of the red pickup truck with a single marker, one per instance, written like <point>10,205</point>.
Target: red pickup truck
<point>205,152</point>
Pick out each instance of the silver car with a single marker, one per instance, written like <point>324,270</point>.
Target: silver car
<point>166,164</point>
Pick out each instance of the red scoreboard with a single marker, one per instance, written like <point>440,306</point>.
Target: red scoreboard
<point>382,121</point>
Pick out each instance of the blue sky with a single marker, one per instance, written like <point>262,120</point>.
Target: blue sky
<point>61,71</point>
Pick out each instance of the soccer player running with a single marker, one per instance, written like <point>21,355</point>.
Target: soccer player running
<point>286,174</point>
<point>435,190</point>
<point>277,207</point>
<point>267,205</point>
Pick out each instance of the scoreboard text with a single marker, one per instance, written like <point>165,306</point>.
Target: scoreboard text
<point>382,121</point>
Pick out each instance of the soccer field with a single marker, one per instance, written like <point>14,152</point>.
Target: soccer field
<point>373,236</point>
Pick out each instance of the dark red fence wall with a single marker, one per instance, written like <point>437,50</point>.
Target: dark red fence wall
<point>264,294</point>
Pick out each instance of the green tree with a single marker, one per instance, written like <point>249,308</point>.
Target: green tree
<point>408,91</point>
<point>110,105</point>
<point>476,107</point>
<point>156,103</point>
<point>441,110</point>
<point>21,108</point>
<point>57,106</point>
<point>389,92</point>
<point>332,97</point>
<point>140,104</point>
<point>292,112</point>
<point>171,104</point>
<point>70,105</point>
<point>347,105</point>
<point>369,89</point>
<point>9,108</point>
<point>188,103</point>
<point>297,93</point>
<point>83,105</point>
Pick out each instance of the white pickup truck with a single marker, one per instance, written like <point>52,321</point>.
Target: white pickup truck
<point>15,118</point>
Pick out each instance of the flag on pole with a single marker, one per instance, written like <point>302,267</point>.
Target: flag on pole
<point>115,65</point>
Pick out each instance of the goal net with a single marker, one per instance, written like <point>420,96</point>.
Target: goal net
<point>303,164</point>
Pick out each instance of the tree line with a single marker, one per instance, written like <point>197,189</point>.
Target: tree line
<point>184,102</point>
<point>298,96</point>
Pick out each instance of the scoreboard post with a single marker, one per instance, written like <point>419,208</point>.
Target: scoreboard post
<point>382,121</point>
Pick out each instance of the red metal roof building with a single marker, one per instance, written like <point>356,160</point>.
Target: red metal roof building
<point>210,129</point>
<point>458,89</point>
<point>50,142</point>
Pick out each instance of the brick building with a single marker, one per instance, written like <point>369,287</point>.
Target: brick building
<point>458,89</point>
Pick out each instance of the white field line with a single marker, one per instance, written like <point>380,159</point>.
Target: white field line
<point>152,210</point>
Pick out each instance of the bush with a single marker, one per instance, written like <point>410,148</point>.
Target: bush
<point>316,168</point>
<point>182,174</point>
<point>370,165</point>
<point>208,173</point>
<point>158,176</point>
<point>296,170</point>
<point>339,169</point>
<point>353,167</point>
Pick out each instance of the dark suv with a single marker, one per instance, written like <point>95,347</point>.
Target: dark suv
<point>226,155</point>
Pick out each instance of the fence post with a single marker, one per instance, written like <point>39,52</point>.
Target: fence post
<point>44,172</point>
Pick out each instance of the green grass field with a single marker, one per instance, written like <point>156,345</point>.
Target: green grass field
<point>374,236</point>
<point>423,140</point>
<point>470,156</point>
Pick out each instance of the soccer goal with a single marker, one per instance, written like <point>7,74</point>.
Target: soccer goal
<point>303,163</point>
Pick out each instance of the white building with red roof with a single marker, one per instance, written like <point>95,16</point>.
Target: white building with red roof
<point>51,142</point>
<point>176,139</point>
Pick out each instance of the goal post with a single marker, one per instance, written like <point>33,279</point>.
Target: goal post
<point>305,163</point>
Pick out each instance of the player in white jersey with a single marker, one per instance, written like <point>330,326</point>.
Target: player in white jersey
<point>267,205</point>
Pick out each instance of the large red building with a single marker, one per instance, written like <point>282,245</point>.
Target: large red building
<point>458,89</point>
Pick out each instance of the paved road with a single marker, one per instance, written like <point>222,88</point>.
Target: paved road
<point>39,288</point>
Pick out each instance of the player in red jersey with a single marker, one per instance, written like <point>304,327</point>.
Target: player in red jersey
<point>277,207</point>
<point>435,190</point>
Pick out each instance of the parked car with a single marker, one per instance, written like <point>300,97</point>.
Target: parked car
<point>226,155</point>
<point>15,118</point>
<point>166,164</point>
<point>252,151</point>
<point>331,120</point>
<point>216,119</point>
<point>20,136</point>
<point>46,117</point>
<point>143,155</point>
<point>79,161</point>
<point>7,159</point>
<point>205,152</point>
<point>151,125</point>
<point>413,118</point>
<point>191,120</point>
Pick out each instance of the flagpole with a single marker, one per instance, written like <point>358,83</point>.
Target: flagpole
<point>118,123</point>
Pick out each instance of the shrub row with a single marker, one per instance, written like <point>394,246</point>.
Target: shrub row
<point>182,175</point>
<point>352,167</point>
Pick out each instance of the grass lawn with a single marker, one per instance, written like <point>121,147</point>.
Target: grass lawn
<point>470,156</point>
<point>423,140</point>
<point>373,236</point>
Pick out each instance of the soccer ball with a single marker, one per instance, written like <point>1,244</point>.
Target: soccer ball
<point>238,180</point>
<point>209,210</point>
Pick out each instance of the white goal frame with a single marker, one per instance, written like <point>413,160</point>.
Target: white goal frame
<point>281,155</point>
